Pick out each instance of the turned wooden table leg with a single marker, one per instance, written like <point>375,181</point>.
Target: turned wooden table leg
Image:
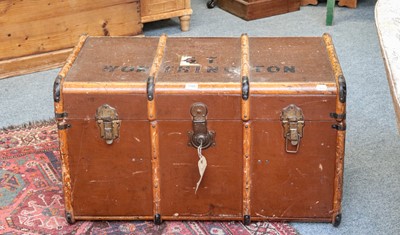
<point>348,3</point>
<point>308,2</point>
<point>185,22</point>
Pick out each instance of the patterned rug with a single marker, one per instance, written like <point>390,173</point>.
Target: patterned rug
<point>31,198</point>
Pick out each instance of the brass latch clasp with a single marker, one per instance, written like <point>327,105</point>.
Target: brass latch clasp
<point>200,136</point>
<point>108,122</point>
<point>293,123</point>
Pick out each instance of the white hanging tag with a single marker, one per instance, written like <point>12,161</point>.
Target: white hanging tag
<point>202,164</point>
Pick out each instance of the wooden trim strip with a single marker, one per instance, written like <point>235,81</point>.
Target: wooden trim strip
<point>337,70</point>
<point>151,109</point>
<point>84,217</point>
<point>339,166</point>
<point>59,107</point>
<point>155,163</point>
<point>200,88</point>
<point>341,135</point>
<point>66,177</point>
<point>283,88</point>
<point>202,218</point>
<point>245,73</point>
<point>256,88</point>
<point>104,87</point>
<point>246,168</point>
<point>293,219</point>
<point>62,134</point>
<point>218,218</point>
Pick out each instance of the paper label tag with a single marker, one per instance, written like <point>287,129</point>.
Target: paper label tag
<point>188,61</point>
<point>202,164</point>
<point>321,87</point>
<point>191,86</point>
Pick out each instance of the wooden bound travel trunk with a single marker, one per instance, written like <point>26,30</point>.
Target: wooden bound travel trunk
<point>263,119</point>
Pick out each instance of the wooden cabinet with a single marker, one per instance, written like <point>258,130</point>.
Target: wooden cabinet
<point>252,9</point>
<point>39,35</point>
<point>153,10</point>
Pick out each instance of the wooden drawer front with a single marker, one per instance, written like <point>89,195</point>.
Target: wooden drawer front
<point>153,7</point>
<point>38,35</point>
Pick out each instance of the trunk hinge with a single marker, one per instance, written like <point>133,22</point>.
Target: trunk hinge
<point>342,89</point>
<point>339,117</point>
<point>150,88</point>
<point>63,126</point>
<point>61,115</point>
<point>339,126</point>
<point>245,88</point>
<point>57,89</point>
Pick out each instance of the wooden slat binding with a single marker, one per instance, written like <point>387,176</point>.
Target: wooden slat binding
<point>151,109</point>
<point>202,218</point>
<point>155,162</point>
<point>62,134</point>
<point>337,70</point>
<point>58,106</point>
<point>80,217</point>
<point>245,75</point>
<point>338,183</point>
<point>99,87</point>
<point>245,105</point>
<point>246,168</point>
<point>341,134</point>
<point>208,88</point>
<point>282,88</point>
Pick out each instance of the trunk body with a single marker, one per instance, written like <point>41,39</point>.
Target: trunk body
<point>138,117</point>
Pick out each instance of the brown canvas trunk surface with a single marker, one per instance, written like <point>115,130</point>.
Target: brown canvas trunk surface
<point>265,117</point>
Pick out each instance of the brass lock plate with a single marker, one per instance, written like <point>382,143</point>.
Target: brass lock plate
<point>108,122</point>
<point>293,124</point>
